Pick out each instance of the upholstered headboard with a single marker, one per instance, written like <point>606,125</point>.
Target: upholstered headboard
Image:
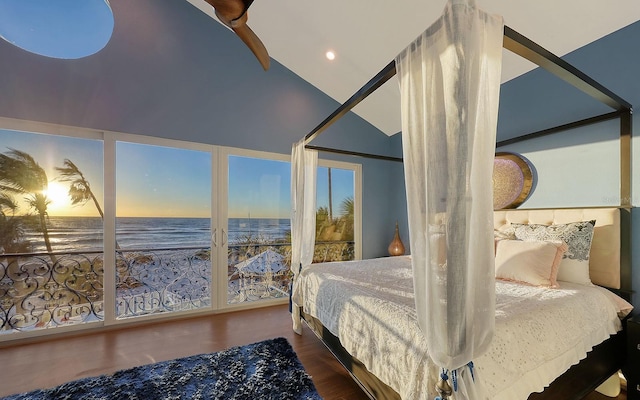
<point>604,259</point>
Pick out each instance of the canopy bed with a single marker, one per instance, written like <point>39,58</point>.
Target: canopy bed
<point>395,336</point>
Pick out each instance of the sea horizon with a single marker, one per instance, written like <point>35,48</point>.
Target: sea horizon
<point>77,233</point>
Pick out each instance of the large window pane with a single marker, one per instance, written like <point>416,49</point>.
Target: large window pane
<point>259,211</point>
<point>51,251</point>
<point>259,229</point>
<point>335,215</point>
<point>163,229</point>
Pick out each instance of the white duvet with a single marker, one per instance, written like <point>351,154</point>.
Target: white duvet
<point>539,332</point>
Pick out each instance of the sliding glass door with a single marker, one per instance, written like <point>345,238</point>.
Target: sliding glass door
<point>258,211</point>
<point>101,228</point>
<point>258,228</point>
<point>163,229</point>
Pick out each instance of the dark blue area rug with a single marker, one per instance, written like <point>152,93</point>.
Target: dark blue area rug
<point>264,370</point>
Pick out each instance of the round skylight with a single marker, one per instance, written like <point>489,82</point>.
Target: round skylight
<point>66,29</point>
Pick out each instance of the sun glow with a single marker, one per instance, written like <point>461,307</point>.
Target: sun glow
<point>58,196</point>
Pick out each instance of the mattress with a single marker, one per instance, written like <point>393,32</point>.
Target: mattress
<point>539,334</point>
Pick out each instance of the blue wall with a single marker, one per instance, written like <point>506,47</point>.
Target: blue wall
<point>171,71</point>
<point>578,167</point>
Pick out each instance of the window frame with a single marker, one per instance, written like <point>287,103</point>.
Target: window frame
<point>219,207</point>
<point>222,217</point>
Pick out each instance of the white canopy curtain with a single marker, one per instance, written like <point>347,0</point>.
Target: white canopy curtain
<point>304,165</point>
<point>450,83</point>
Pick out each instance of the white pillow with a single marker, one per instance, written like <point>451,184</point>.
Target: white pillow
<point>574,266</point>
<point>534,263</point>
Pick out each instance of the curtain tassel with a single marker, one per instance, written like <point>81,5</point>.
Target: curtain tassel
<point>470,365</point>
<point>442,387</point>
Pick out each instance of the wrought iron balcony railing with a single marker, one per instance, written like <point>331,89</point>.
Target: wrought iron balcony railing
<point>37,293</point>
<point>43,290</point>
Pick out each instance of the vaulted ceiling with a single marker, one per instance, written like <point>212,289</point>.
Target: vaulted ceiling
<point>366,35</point>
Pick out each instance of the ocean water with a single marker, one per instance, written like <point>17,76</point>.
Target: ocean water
<point>85,233</point>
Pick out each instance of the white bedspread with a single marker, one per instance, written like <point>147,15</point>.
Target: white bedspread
<point>539,332</point>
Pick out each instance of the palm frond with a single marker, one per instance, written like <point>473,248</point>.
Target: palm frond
<point>79,193</point>
<point>347,207</point>
<point>70,173</point>
<point>7,203</point>
<point>18,170</point>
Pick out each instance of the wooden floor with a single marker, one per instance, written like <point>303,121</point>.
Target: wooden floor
<point>49,363</point>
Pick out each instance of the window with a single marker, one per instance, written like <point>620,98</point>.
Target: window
<point>51,231</point>
<point>259,228</point>
<point>335,216</point>
<point>163,229</point>
<point>97,228</point>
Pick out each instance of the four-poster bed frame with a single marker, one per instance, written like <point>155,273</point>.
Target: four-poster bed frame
<point>606,358</point>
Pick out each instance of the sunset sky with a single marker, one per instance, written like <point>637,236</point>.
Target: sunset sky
<point>155,181</point>
<point>49,152</point>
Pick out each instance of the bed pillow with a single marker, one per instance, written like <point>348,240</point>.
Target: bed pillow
<point>502,234</point>
<point>534,262</point>
<point>574,266</point>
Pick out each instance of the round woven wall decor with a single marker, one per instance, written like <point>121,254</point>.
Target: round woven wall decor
<point>512,180</point>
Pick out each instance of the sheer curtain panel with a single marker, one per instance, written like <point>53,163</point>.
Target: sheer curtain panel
<point>450,83</point>
<point>304,165</point>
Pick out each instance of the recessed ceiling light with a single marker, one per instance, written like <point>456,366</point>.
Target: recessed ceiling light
<point>330,55</point>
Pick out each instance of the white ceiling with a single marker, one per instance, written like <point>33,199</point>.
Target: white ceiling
<point>367,34</point>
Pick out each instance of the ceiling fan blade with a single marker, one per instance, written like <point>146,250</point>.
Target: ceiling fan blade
<point>233,13</point>
<point>254,43</point>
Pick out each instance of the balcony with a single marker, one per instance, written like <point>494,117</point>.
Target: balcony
<point>47,290</point>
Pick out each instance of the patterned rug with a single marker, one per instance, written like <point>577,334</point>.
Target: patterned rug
<point>264,370</point>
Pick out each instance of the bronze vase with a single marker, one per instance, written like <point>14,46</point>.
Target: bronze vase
<point>396,248</point>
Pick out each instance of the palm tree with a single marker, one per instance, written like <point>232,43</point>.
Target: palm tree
<point>80,188</point>
<point>347,216</point>
<point>11,227</point>
<point>11,235</point>
<point>346,220</point>
<point>347,208</point>
<point>322,221</point>
<point>20,173</point>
